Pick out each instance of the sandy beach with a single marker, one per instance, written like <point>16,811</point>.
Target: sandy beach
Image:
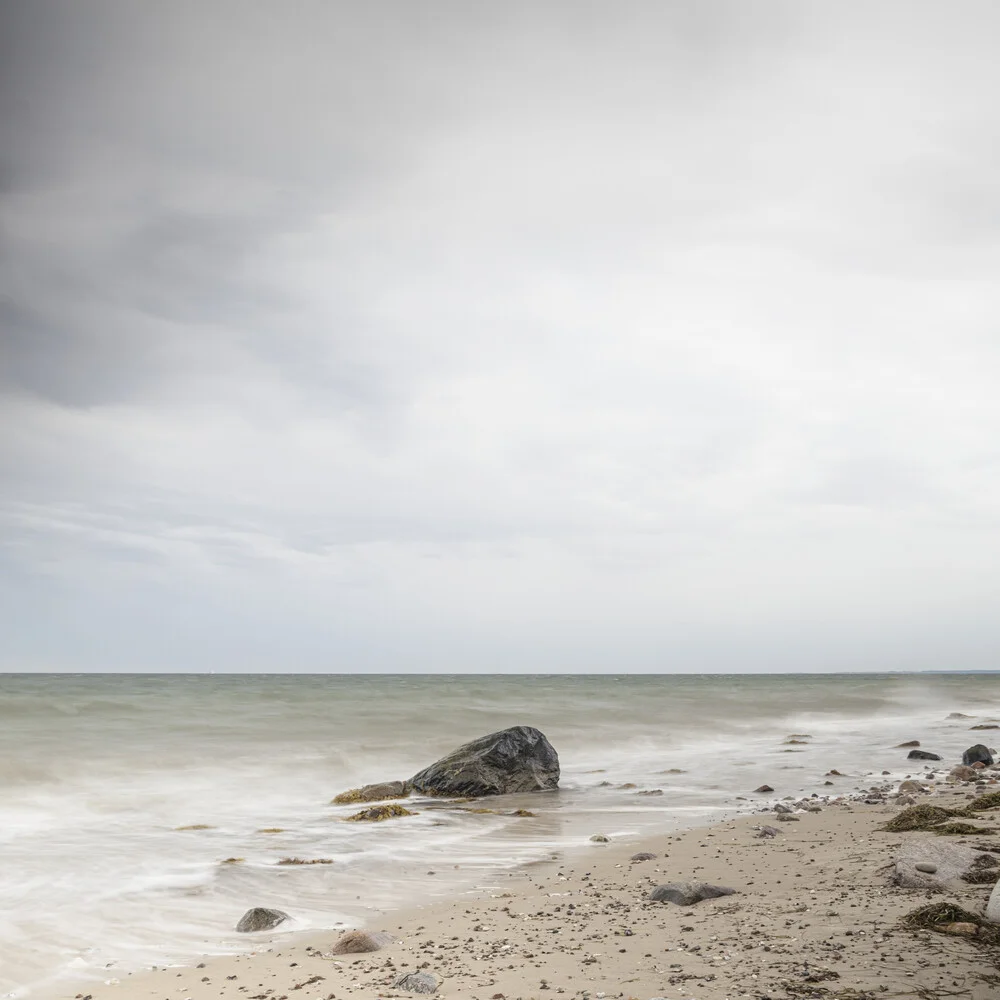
<point>814,913</point>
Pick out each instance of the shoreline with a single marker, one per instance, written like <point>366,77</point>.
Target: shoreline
<point>813,913</point>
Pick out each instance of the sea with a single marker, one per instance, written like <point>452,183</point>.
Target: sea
<point>141,815</point>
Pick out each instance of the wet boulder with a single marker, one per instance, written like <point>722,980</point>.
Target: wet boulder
<point>373,793</point>
<point>977,754</point>
<point>260,918</point>
<point>922,755</point>
<point>519,759</point>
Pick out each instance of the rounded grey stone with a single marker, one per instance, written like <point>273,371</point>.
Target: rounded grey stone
<point>418,982</point>
<point>925,866</point>
<point>260,918</point>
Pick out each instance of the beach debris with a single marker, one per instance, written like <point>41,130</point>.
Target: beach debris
<point>922,817</point>
<point>764,788</point>
<point>376,814</point>
<point>271,829</point>
<point>942,917</point>
<point>922,755</point>
<point>907,744</point>
<point>791,742</point>
<point>688,893</point>
<point>304,861</point>
<point>673,770</point>
<point>194,826</point>
<point>958,829</point>
<point>985,725</point>
<point>599,838</point>
<point>643,856</point>
<point>984,876</point>
<point>418,982</point>
<point>372,793</point>
<point>522,813</point>
<point>650,791</point>
<point>356,942</point>
<point>519,759</point>
<point>260,918</point>
<point>977,753</point>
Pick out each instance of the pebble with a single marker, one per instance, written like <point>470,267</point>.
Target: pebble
<point>925,866</point>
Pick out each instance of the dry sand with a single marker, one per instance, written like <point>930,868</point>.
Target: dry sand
<point>814,915</point>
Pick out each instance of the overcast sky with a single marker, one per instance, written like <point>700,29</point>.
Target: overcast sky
<point>499,336</point>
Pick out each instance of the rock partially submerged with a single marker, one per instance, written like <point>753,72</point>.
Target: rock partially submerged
<point>379,813</point>
<point>519,759</point>
<point>922,755</point>
<point>373,793</point>
<point>977,754</point>
<point>260,918</point>
<point>359,942</point>
<point>688,893</point>
<point>643,856</point>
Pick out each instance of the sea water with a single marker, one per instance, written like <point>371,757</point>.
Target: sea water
<point>101,774</point>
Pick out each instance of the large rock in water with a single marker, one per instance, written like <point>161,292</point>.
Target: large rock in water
<point>519,759</point>
<point>977,753</point>
<point>922,755</point>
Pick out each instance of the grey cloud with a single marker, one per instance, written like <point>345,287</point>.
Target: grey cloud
<point>604,329</point>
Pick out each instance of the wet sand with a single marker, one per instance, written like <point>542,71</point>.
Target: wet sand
<point>813,915</point>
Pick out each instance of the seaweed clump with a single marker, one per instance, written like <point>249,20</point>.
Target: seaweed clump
<point>991,800</point>
<point>379,813</point>
<point>922,817</point>
<point>194,826</point>
<point>982,876</point>
<point>522,812</point>
<point>947,918</point>
<point>304,861</point>
<point>960,830</point>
